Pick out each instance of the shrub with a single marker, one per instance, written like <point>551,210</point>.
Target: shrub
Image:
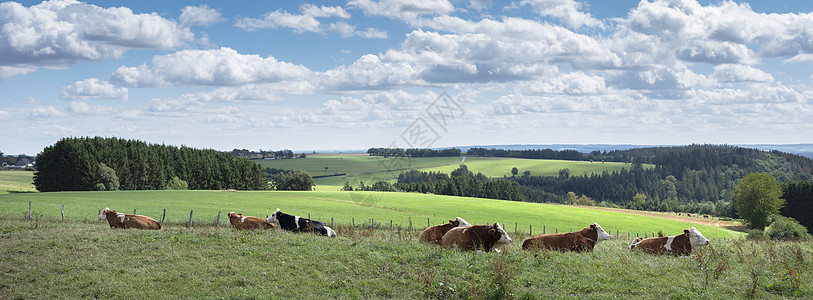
<point>784,228</point>
<point>177,184</point>
<point>757,234</point>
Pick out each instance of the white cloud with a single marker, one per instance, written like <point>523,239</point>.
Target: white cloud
<point>215,67</point>
<point>200,15</point>
<point>93,88</point>
<point>740,73</point>
<point>346,30</point>
<point>4,114</point>
<point>45,112</point>
<point>83,108</point>
<point>8,72</point>
<point>324,11</point>
<point>402,9</point>
<point>281,18</point>
<point>568,11</point>
<point>56,33</point>
<point>724,30</point>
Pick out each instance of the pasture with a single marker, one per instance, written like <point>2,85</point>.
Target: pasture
<point>16,181</point>
<point>369,169</point>
<point>345,208</point>
<point>46,258</point>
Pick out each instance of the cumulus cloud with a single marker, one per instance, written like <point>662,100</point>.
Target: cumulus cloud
<point>402,9</point>
<point>57,33</point>
<point>200,15</point>
<point>281,18</point>
<point>93,88</point>
<point>45,112</point>
<point>721,33</point>
<point>568,11</point>
<point>308,22</point>
<point>82,108</point>
<point>740,73</point>
<point>324,11</point>
<point>346,30</point>
<point>215,67</point>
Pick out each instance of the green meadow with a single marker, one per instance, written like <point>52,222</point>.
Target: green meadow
<point>47,258</point>
<point>344,208</point>
<point>369,169</point>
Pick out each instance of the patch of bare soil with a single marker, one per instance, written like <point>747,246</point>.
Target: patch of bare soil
<point>711,221</point>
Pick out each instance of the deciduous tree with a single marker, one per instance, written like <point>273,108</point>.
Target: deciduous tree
<point>756,199</point>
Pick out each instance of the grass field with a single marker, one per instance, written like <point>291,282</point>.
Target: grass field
<point>344,207</point>
<point>45,258</point>
<point>16,181</point>
<point>369,169</point>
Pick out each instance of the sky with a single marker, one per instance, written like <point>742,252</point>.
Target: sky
<point>357,74</point>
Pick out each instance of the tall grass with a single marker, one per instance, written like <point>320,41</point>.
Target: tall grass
<point>46,258</point>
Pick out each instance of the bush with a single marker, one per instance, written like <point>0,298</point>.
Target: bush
<point>784,228</point>
<point>757,234</point>
<point>177,184</point>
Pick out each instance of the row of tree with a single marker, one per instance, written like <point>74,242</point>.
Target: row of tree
<point>461,182</point>
<point>80,164</point>
<point>280,154</point>
<point>413,152</point>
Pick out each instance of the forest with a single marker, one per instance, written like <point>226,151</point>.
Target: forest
<point>84,164</point>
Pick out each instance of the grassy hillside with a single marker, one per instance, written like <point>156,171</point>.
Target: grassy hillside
<point>343,207</point>
<point>49,259</point>
<point>369,169</point>
<point>16,181</point>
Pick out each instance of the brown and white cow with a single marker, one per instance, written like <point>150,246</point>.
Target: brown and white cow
<point>120,220</point>
<point>247,222</point>
<point>676,245</point>
<point>477,237</point>
<point>578,241</point>
<point>434,234</point>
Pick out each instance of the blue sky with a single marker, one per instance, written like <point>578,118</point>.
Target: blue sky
<point>378,73</point>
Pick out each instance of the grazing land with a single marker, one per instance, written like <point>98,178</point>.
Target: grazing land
<point>345,208</point>
<point>46,258</point>
<point>358,168</point>
<point>16,181</point>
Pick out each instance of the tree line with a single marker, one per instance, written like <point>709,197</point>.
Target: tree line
<point>461,182</point>
<point>413,152</point>
<point>280,154</point>
<point>82,164</point>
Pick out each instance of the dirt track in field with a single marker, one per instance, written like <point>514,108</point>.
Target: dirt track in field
<point>711,221</point>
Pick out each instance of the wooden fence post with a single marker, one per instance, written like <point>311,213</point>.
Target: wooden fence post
<point>543,229</point>
<point>162,217</point>
<point>353,220</point>
<point>100,220</point>
<point>190,217</point>
<point>331,222</point>
<point>372,223</point>
<point>530,229</point>
<point>134,211</point>
<point>217,223</point>
<point>390,224</point>
<point>410,224</point>
<point>63,212</point>
<point>515,228</point>
<point>427,222</point>
<point>29,210</point>
<point>556,229</point>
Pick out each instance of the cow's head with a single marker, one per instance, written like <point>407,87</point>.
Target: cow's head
<point>696,238</point>
<point>635,242</point>
<point>103,215</point>
<point>273,217</point>
<point>454,223</point>
<point>461,222</point>
<point>602,235</point>
<point>499,234</point>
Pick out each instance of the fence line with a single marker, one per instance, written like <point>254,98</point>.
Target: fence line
<point>371,225</point>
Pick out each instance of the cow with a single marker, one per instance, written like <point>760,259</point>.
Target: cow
<point>120,220</point>
<point>705,216</point>
<point>297,224</point>
<point>578,241</point>
<point>434,234</point>
<point>239,221</point>
<point>477,237</point>
<point>675,245</point>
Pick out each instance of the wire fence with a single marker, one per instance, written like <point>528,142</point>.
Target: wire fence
<point>373,223</point>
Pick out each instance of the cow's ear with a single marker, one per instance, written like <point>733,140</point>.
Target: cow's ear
<point>492,231</point>
<point>686,231</point>
<point>451,221</point>
<point>593,226</point>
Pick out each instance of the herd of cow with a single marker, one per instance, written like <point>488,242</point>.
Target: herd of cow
<point>456,232</point>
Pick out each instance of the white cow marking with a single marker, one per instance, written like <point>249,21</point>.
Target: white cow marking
<point>121,216</point>
<point>463,223</point>
<point>296,221</point>
<point>668,244</point>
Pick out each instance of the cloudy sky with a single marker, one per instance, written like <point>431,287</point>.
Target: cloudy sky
<point>377,73</point>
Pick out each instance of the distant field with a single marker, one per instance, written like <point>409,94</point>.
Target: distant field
<point>499,167</point>
<point>16,181</point>
<point>369,169</point>
<point>343,207</point>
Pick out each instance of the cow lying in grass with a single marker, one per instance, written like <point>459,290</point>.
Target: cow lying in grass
<point>434,234</point>
<point>239,221</point>
<point>675,245</point>
<point>297,224</point>
<point>477,237</point>
<point>584,240</point>
<point>120,220</point>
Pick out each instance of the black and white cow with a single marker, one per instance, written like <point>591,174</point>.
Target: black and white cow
<point>297,224</point>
